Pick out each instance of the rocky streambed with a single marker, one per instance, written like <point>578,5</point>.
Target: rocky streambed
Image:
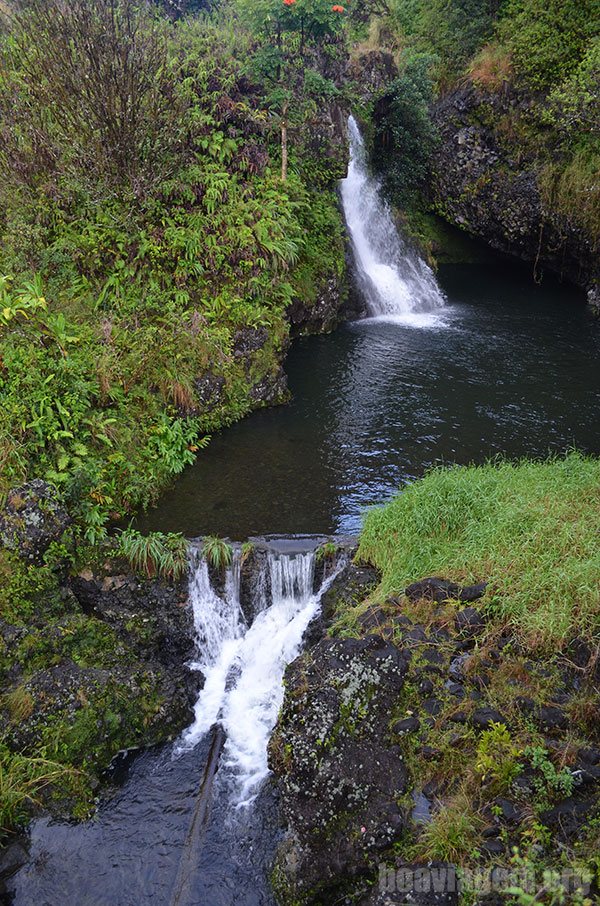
<point>416,735</point>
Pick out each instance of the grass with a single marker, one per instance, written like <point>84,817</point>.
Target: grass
<point>217,552</point>
<point>453,834</point>
<point>155,554</point>
<point>531,529</point>
<point>19,703</point>
<point>23,780</point>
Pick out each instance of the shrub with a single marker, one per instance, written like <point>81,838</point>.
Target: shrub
<point>73,99</point>
<point>404,136</point>
<point>547,38</point>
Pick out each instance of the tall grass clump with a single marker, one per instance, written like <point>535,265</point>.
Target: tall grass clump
<point>156,554</point>
<point>531,529</point>
<point>217,552</point>
<point>23,781</point>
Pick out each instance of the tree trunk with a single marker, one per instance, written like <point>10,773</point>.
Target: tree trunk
<point>284,142</point>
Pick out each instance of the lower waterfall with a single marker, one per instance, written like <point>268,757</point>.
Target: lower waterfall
<point>243,665</point>
<point>196,823</point>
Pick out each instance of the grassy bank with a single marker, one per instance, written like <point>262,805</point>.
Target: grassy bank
<point>529,529</point>
<point>497,719</point>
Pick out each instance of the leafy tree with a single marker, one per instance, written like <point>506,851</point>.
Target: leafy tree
<point>291,34</point>
<point>548,38</point>
<point>404,133</point>
<point>452,29</point>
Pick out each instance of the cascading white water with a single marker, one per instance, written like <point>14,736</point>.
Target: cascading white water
<point>396,283</point>
<point>243,667</point>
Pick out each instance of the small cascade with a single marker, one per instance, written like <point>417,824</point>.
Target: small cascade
<point>244,666</point>
<point>219,625</point>
<point>397,284</point>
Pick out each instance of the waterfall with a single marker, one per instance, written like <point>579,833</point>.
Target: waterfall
<point>396,282</point>
<point>243,666</point>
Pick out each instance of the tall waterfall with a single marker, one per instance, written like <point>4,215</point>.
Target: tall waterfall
<point>243,666</point>
<point>396,283</point>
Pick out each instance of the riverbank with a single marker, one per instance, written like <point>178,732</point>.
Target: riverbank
<point>452,722</point>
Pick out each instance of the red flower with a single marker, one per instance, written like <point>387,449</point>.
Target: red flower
<point>289,2</point>
<point>334,9</point>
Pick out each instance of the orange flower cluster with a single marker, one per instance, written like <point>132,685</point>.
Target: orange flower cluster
<point>289,2</point>
<point>335,9</point>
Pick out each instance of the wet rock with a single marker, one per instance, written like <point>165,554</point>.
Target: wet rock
<point>551,719</point>
<point>32,519</point>
<point>492,190</point>
<point>434,884</point>
<point>459,717</point>
<point>271,390</point>
<point>524,704</point>
<point>509,812</point>
<point>372,72</point>
<point>153,616</point>
<point>99,709</point>
<point>457,667</point>
<point>493,847</point>
<point>456,689</point>
<point>426,687</point>
<point>12,858</point>
<point>255,581</point>
<point>433,588</point>
<point>248,340</point>
<point>408,725</point>
<point>568,816</point>
<point>432,656</point>
<point>589,755</point>
<point>338,774</point>
<point>353,584</point>
<point>433,707</point>
<point>209,390</point>
<point>430,753</point>
<point>324,313</point>
<point>469,621</point>
<point>483,718</point>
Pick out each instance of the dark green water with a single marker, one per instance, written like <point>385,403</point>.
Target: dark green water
<point>509,368</point>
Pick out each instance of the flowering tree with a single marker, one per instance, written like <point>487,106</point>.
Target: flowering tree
<point>290,33</point>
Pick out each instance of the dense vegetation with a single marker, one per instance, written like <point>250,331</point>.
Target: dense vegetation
<point>545,56</point>
<point>144,224</point>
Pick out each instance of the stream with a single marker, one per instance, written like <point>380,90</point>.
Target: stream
<point>478,362</point>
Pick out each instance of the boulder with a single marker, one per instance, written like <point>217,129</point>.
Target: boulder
<point>32,518</point>
<point>338,770</point>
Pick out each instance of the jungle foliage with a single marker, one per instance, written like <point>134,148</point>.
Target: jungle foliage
<point>143,224</point>
<point>545,55</point>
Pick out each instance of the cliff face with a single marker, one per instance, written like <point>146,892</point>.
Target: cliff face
<point>485,179</point>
